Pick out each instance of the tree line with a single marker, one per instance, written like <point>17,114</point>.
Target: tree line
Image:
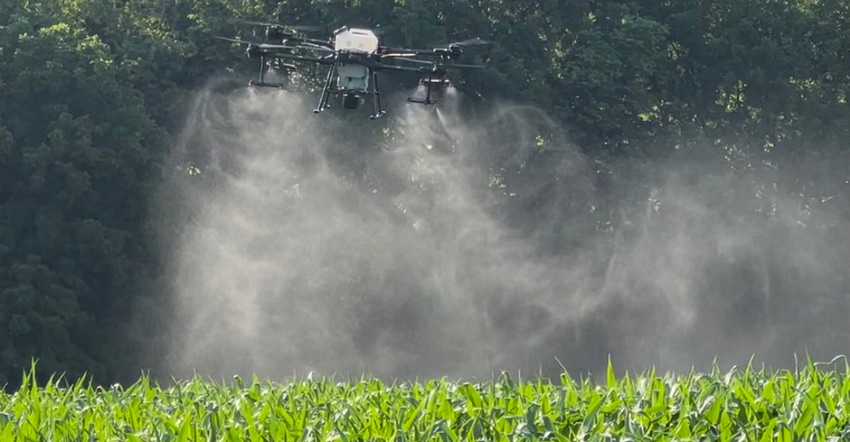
<point>92,93</point>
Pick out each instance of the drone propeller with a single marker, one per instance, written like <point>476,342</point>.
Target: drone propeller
<point>470,42</point>
<point>257,45</point>
<point>451,50</point>
<point>444,65</point>
<point>305,28</point>
<point>302,58</point>
<point>232,39</point>
<point>312,46</point>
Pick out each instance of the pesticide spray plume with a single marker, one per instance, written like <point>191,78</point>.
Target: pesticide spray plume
<point>426,247</point>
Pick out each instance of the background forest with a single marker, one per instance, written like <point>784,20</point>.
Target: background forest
<point>93,94</point>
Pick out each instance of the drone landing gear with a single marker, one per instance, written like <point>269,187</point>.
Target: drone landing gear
<point>323,100</point>
<point>376,98</point>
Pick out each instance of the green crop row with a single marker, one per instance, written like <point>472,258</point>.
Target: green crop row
<point>742,404</point>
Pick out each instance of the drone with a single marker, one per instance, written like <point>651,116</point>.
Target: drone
<point>353,57</point>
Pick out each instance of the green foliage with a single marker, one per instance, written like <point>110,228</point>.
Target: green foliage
<point>738,405</point>
<point>78,151</point>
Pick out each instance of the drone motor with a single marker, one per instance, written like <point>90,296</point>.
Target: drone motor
<point>453,52</point>
<point>435,81</point>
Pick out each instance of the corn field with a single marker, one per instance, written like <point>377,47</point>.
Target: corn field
<point>810,403</point>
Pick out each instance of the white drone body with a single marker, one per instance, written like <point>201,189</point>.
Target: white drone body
<point>354,76</point>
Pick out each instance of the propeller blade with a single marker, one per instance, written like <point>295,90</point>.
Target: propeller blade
<point>470,42</point>
<point>306,28</point>
<point>445,65</point>
<point>393,67</point>
<point>464,43</point>
<point>271,46</point>
<point>416,51</point>
<point>235,40</point>
<point>313,46</point>
<point>256,45</point>
<point>301,58</point>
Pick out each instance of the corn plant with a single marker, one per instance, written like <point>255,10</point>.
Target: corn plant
<point>747,405</point>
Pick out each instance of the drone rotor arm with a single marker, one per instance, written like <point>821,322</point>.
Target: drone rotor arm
<point>399,55</point>
<point>314,46</point>
<point>267,46</point>
<point>392,67</point>
<point>416,60</point>
<point>302,58</point>
<point>236,40</point>
<point>385,51</point>
<point>315,41</point>
<point>444,65</point>
<point>463,66</point>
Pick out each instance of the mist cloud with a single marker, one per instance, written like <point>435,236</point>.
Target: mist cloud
<point>421,246</point>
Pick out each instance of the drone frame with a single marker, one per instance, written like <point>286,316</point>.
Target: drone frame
<point>271,54</point>
<point>372,87</point>
<point>373,65</point>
